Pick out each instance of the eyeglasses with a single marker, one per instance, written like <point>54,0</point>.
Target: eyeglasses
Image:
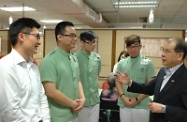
<point>133,46</point>
<point>90,42</point>
<point>166,50</point>
<point>70,35</point>
<point>36,35</point>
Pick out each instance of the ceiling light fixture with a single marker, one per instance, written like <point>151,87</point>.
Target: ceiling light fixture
<point>51,21</point>
<point>16,9</point>
<point>10,20</point>
<point>44,27</point>
<point>151,16</point>
<point>143,4</point>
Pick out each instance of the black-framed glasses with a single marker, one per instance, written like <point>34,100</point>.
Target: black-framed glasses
<point>36,35</point>
<point>70,35</point>
<point>133,46</point>
<point>91,42</point>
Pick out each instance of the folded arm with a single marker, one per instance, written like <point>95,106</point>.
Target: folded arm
<point>57,96</point>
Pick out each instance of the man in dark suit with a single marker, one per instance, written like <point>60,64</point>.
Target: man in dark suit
<point>169,87</point>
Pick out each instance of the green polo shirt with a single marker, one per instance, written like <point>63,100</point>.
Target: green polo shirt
<point>62,69</point>
<point>139,69</point>
<point>90,66</point>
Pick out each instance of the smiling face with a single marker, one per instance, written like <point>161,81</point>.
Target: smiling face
<point>34,41</point>
<point>28,43</point>
<point>170,58</point>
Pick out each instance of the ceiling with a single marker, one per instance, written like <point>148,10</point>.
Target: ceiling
<point>99,13</point>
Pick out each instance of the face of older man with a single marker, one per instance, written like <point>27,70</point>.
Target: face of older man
<point>170,58</point>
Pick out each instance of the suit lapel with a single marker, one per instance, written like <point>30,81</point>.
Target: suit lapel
<point>159,81</point>
<point>171,81</point>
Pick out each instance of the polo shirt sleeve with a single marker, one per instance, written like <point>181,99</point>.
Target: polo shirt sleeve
<point>119,65</point>
<point>48,71</point>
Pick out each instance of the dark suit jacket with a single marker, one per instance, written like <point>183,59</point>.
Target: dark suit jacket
<point>173,95</point>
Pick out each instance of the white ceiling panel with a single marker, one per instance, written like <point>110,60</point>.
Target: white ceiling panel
<point>172,13</point>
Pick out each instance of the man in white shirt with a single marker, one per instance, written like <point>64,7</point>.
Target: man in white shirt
<point>22,94</point>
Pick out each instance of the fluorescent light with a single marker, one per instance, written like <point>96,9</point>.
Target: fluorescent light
<point>137,6</point>
<point>137,3</point>
<point>16,9</point>
<point>143,4</point>
<point>51,21</point>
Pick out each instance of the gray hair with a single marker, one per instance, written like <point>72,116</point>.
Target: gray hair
<point>111,80</point>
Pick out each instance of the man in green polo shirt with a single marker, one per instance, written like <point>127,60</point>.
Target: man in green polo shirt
<point>133,106</point>
<point>90,67</point>
<point>60,76</point>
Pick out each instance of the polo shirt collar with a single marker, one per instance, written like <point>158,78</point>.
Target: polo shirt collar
<point>62,52</point>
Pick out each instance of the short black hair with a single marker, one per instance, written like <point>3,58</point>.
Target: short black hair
<point>60,27</point>
<point>87,35</point>
<point>132,39</point>
<point>21,25</point>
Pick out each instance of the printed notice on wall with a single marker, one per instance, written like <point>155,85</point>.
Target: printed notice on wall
<point>151,46</point>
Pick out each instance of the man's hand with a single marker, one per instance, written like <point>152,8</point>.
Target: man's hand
<point>133,102</point>
<point>80,103</point>
<point>155,107</point>
<point>75,105</point>
<point>129,102</point>
<point>123,78</point>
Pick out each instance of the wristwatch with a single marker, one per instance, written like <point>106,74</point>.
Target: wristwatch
<point>163,109</point>
<point>137,100</point>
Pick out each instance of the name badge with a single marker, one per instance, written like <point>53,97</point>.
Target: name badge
<point>144,61</point>
<point>97,58</point>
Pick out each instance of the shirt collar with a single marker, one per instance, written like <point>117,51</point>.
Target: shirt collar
<point>173,69</point>
<point>62,52</point>
<point>135,58</point>
<point>85,54</point>
<point>18,58</point>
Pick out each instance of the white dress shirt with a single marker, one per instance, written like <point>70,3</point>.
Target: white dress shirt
<point>22,95</point>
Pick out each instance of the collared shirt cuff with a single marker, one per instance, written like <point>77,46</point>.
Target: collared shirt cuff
<point>130,83</point>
